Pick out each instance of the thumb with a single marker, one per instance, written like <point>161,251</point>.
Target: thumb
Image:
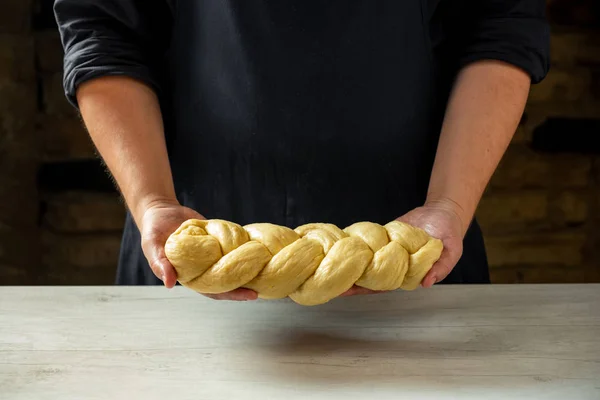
<point>159,263</point>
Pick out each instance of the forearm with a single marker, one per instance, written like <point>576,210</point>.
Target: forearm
<point>124,121</point>
<point>483,113</point>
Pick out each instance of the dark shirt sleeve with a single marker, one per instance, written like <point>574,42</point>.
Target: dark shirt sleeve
<point>112,37</point>
<point>512,31</point>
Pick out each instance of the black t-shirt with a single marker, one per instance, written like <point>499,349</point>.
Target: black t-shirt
<point>299,111</point>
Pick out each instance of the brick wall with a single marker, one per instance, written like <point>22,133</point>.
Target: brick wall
<point>57,224</point>
<point>19,148</point>
<point>60,220</point>
<point>541,209</point>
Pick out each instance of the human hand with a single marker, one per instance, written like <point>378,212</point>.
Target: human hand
<point>159,220</point>
<point>441,219</point>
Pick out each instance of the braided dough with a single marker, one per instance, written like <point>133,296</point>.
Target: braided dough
<point>312,264</point>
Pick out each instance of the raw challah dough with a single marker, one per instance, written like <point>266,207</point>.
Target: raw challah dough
<point>312,264</point>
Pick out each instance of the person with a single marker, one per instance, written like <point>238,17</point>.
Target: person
<point>299,111</point>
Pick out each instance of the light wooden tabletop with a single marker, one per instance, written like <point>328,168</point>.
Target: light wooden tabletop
<point>460,342</point>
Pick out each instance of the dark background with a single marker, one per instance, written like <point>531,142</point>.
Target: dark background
<point>61,220</point>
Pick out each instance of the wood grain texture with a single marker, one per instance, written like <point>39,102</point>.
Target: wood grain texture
<point>468,342</point>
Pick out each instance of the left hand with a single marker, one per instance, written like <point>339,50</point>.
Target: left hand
<point>440,219</point>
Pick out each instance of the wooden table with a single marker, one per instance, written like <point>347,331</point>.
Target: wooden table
<point>468,342</point>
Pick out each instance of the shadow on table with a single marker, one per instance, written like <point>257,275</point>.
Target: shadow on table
<point>467,360</point>
<point>302,344</point>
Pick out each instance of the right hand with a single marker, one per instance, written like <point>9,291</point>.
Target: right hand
<point>158,221</point>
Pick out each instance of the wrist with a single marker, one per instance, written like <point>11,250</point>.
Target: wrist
<point>140,206</point>
<point>450,205</point>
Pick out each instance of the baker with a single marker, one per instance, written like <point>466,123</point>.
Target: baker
<point>300,111</point>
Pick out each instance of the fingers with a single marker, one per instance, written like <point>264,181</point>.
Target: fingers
<point>430,279</point>
<point>357,290</point>
<point>441,269</point>
<point>160,265</point>
<point>235,295</point>
<point>163,269</point>
<point>247,294</point>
